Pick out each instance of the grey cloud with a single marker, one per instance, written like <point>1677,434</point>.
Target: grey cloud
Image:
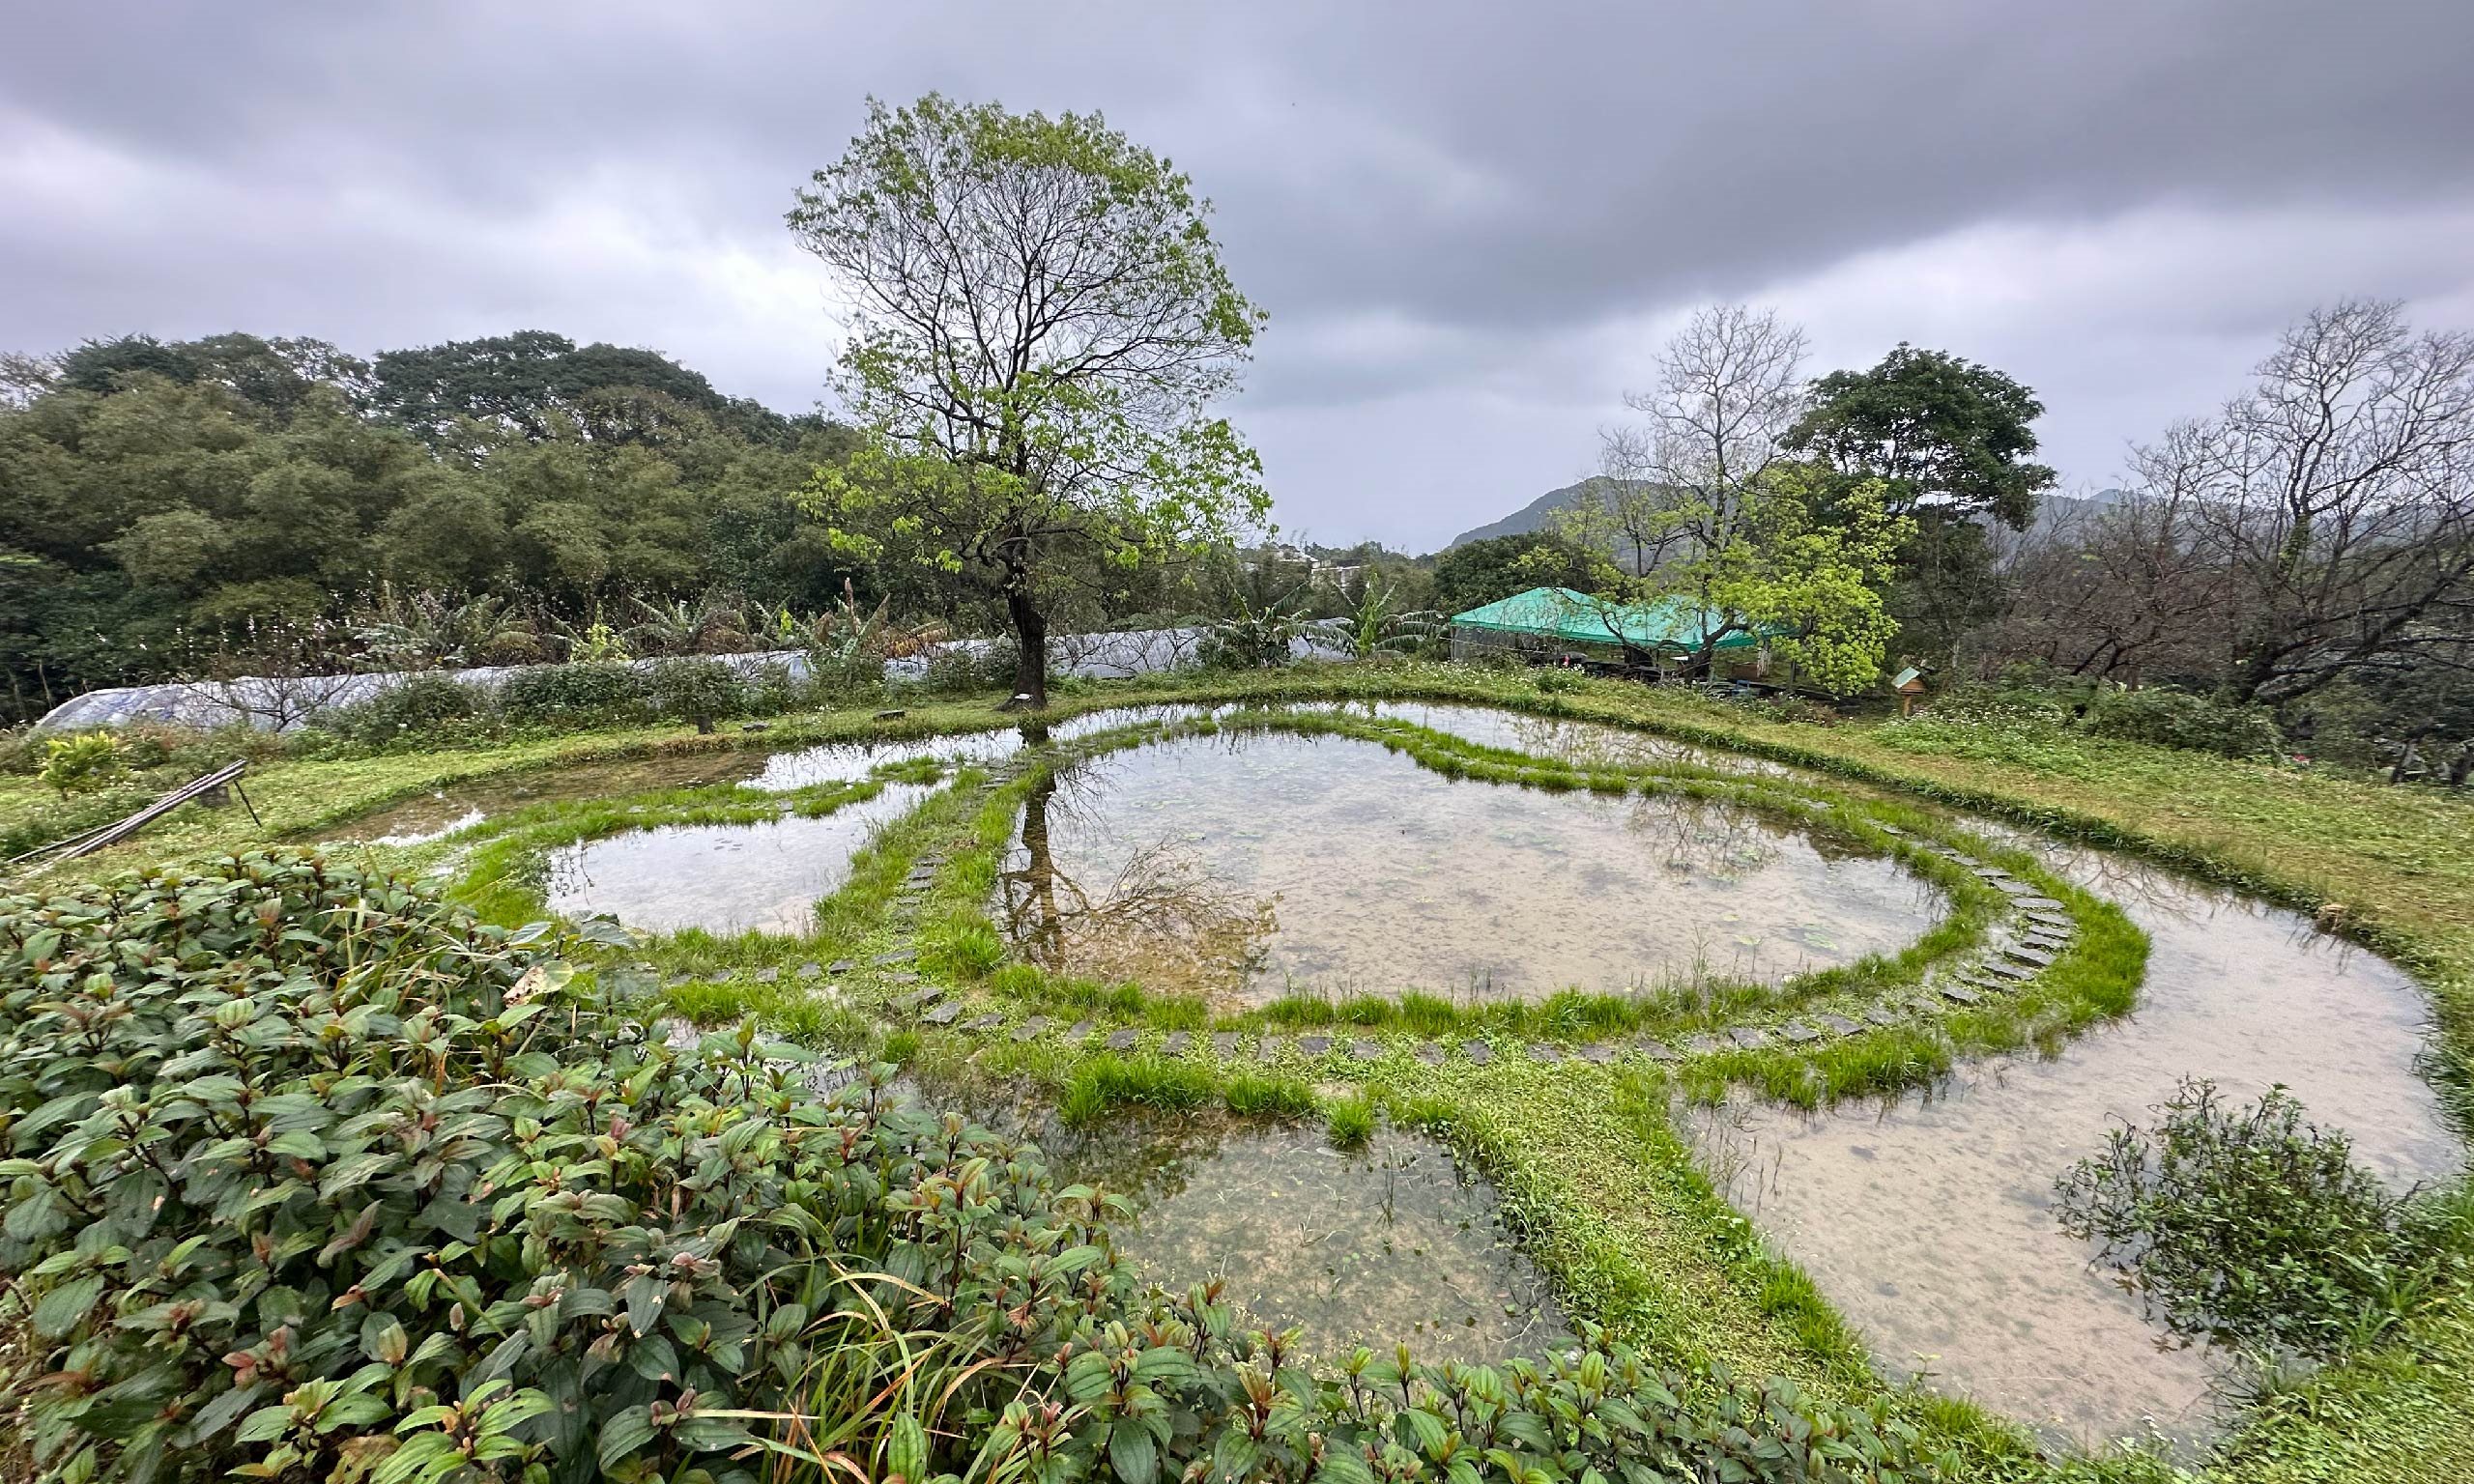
<point>1449,208</point>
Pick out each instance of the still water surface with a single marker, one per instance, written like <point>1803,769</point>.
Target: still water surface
<point>1930,1223</point>
<point>1242,865</point>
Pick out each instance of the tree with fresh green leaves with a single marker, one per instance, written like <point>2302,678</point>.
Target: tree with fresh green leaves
<point>1039,323</point>
<point>1801,561</point>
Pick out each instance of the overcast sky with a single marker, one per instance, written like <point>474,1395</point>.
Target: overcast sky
<point>1472,224</point>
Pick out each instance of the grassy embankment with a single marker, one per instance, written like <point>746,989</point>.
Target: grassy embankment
<point>1586,1155</point>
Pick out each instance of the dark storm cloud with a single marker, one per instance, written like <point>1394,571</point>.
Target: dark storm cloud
<point>1468,221</point>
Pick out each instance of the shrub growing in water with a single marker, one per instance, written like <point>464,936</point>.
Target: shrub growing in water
<point>309,1176</point>
<point>2251,1226</point>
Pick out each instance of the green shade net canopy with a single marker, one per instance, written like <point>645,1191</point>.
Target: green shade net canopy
<point>1669,625</point>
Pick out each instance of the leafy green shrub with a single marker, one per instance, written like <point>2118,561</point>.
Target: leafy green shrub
<point>422,707</point>
<point>310,1177</point>
<point>572,693</point>
<point>2169,717</point>
<point>697,689</point>
<point>83,763</point>
<point>1556,681</point>
<point>2251,1226</point>
<point>969,669</point>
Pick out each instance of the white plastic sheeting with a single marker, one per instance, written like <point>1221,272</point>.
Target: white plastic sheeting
<point>285,705</point>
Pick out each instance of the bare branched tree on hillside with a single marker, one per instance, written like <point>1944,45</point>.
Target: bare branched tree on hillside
<point>2340,493</point>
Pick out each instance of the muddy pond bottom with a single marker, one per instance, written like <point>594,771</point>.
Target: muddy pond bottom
<point>1390,1245</point>
<point>1929,1223</point>
<point>1246,865</point>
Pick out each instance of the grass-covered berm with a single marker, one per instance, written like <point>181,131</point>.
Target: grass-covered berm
<point>310,1176</point>
<point>1591,1166</point>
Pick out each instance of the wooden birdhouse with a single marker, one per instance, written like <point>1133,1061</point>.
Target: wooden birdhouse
<point>1910,684</point>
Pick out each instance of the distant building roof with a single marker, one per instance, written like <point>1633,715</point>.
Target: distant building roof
<point>1576,617</point>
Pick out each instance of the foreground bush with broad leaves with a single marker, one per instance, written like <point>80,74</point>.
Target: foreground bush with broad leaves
<point>310,1177</point>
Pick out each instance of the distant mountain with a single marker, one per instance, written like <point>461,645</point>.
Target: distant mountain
<point>2050,511</point>
<point>1531,516</point>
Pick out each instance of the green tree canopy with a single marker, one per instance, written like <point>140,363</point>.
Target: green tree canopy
<point>1938,431</point>
<point>1476,573</point>
<point>1039,324</point>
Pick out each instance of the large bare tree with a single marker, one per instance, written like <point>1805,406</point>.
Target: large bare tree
<point>2340,494</point>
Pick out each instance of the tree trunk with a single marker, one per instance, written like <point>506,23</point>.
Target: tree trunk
<point>1030,639</point>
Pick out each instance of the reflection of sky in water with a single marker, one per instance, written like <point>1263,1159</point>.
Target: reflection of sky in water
<point>722,877</point>
<point>1930,1225</point>
<point>848,761</point>
<point>1383,876</point>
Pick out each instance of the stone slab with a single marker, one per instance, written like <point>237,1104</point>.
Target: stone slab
<point>987,1022</point>
<point>1078,1030</point>
<point>1122,1039</point>
<point>2007,970</point>
<point>1599,1053</point>
<point>1477,1051</point>
<point>1313,1046</point>
<point>811,971</point>
<point>943,1015</point>
<point>1430,1053</point>
<point>1882,1015</point>
<point>1539,1052</point>
<point>1953,990</point>
<point>1750,1037</point>
<point>769,976</point>
<point>1799,1033</point>
<point>1704,1045</point>
<point>1033,1028</point>
<point>1838,1025</point>
<point>1224,1044</point>
<point>1176,1043</point>
<point>1367,1050</point>
<point>1660,1051</point>
<point>1268,1050</point>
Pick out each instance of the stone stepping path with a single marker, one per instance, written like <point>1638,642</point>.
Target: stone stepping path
<point>981,1024</point>
<point>1223,1045</point>
<point>1478,1051</point>
<point>2038,956</point>
<point>1122,1041</point>
<point>1033,1028</point>
<point>1313,1046</point>
<point>943,1015</point>
<point>1176,1043</point>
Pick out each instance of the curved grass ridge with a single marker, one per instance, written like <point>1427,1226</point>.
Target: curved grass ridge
<point>2097,976</point>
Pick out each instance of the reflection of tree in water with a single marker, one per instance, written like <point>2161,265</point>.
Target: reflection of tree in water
<point>1164,920</point>
<point>1719,840</point>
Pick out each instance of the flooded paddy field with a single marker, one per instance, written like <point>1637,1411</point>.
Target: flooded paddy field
<point>1395,1243</point>
<point>441,811</point>
<point>1244,865</point>
<point>1929,1223</point>
<point>724,878</point>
